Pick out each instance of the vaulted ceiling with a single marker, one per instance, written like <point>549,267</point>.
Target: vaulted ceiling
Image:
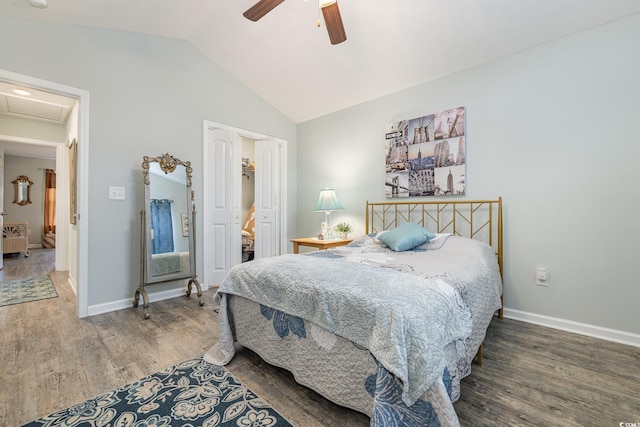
<point>391,45</point>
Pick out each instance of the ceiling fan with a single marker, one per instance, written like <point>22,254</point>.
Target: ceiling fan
<point>330,11</point>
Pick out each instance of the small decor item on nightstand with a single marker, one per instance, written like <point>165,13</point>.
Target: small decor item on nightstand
<point>343,229</point>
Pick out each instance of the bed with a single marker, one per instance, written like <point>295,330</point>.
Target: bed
<point>387,325</point>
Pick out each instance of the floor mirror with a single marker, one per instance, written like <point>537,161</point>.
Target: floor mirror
<point>168,251</point>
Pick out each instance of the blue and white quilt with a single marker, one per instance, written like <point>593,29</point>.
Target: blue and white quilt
<point>402,327</point>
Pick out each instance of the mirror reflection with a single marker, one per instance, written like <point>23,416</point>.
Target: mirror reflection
<point>22,190</point>
<point>169,221</point>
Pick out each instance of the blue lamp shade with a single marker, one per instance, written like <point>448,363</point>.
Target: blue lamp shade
<point>328,201</point>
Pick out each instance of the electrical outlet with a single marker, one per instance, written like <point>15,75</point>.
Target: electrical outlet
<point>116,193</point>
<point>542,277</point>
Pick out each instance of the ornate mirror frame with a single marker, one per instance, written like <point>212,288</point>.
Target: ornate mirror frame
<point>169,165</point>
<point>22,190</point>
<point>168,264</point>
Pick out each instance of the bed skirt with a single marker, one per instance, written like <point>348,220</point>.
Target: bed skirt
<point>339,370</point>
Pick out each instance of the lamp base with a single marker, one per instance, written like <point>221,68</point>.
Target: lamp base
<point>326,231</point>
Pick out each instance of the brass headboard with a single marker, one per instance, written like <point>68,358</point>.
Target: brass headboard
<point>475,219</point>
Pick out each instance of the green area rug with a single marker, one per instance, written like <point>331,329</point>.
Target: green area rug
<point>192,393</point>
<point>25,290</point>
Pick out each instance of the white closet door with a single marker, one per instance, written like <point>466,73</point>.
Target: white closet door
<point>267,195</point>
<point>222,231</point>
<point>223,204</point>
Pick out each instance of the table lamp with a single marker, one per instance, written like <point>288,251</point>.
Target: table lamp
<point>328,202</point>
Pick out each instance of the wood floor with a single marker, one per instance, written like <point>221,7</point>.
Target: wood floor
<point>531,375</point>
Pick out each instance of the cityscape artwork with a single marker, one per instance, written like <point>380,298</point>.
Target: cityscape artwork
<point>426,156</point>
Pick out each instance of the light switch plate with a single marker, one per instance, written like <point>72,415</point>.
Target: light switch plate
<point>542,277</point>
<point>116,193</point>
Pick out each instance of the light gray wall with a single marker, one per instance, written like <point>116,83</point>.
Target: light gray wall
<point>32,129</point>
<point>33,213</point>
<point>148,96</point>
<point>553,131</point>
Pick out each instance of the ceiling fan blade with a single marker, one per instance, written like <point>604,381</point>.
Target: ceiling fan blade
<point>333,21</point>
<point>260,9</point>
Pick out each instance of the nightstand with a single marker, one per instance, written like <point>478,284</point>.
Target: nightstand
<point>320,244</point>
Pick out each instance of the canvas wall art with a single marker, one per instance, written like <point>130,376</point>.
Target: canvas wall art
<point>425,156</point>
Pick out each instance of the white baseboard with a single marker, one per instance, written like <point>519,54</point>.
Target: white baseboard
<point>128,303</point>
<point>72,285</point>
<point>614,335</point>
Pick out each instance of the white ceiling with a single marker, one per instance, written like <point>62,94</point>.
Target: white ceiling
<point>391,45</point>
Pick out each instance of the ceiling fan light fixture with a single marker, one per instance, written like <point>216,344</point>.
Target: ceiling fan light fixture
<point>333,22</point>
<point>329,8</point>
<point>325,3</point>
<point>39,4</point>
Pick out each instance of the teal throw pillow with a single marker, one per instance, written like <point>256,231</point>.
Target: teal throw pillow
<point>405,237</point>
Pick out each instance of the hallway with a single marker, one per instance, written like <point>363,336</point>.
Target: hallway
<point>41,261</point>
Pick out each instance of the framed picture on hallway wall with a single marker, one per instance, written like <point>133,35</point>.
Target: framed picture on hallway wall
<point>426,156</point>
<point>73,181</point>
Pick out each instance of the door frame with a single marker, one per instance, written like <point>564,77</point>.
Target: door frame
<point>207,168</point>
<point>81,240</point>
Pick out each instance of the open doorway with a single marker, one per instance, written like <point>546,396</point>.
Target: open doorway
<point>28,211</point>
<point>71,238</point>
<point>248,199</point>
<point>229,196</point>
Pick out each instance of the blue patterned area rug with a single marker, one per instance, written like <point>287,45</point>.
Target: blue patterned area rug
<point>25,290</point>
<point>192,393</point>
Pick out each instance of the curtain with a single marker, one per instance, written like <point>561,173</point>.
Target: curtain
<point>50,202</point>
<point>161,226</point>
